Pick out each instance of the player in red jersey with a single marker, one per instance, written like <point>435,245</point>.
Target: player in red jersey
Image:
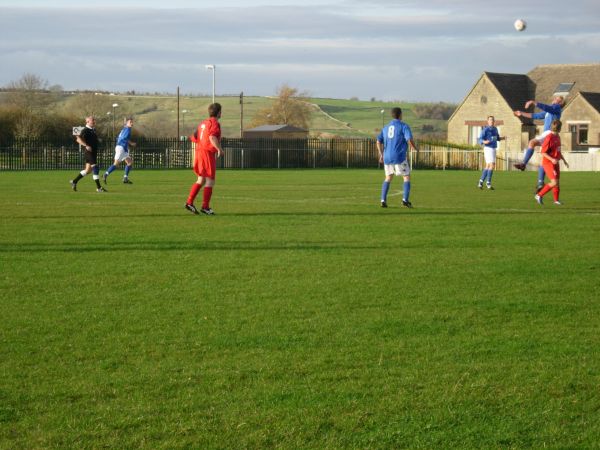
<point>551,157</point>
<point>208,149</point>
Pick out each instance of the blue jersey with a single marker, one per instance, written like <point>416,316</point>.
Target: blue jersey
<point>123,138</point>
<point>394,137</point>
<point>550,113</point>
<point>489,134</point>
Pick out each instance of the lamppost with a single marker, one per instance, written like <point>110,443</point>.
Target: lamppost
<point>382,113</point>
<point>183,120</point>
<point>114,105</point>
<point>213,68</point>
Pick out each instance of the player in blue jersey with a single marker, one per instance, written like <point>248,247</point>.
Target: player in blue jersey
<point>489,138</point>
<point>392,145</point>
<point>122,152</point>
<point>548,113</point>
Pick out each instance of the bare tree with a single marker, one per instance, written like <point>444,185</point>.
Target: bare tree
<point>289,108</point>
<point>29,82</point>
<point>31,92</point>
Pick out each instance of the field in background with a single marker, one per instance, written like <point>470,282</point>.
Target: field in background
<point>366,117</point>
<point>346,118</point>
<point>301,316</point>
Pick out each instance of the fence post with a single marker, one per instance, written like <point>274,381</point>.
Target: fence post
<point>242,158</point>
<point>278,159</point>
<point>314,158</point>
<point>347,159</point>
<point>444,156</point>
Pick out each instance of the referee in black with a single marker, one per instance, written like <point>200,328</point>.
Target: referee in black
<point>89,139</point>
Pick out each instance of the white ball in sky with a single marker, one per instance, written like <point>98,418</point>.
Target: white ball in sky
<point>520,25</point>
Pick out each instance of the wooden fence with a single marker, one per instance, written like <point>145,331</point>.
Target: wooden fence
<point>169,153</point>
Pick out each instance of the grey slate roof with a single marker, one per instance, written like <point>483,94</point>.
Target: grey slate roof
<point>516,89</point>
<point>593,98</point>
<point>547,77</point>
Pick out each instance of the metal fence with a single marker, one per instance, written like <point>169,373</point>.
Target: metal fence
<point>169,153</point>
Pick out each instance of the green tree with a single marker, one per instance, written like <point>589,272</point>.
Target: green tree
<point>440,111</point>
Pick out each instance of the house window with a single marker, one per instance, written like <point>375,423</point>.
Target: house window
<point>580,131</point>
<point>563,89</point>
<point>474,133</point>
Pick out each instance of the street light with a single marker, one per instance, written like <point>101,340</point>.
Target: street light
<point>114,105</point>
<point>382,113</point>
<point>183,121</point>
<point>213,68</point>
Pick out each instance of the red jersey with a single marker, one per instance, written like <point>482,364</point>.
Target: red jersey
<point>205,164</point>
<point>551,146</point>
<point>206,129</point>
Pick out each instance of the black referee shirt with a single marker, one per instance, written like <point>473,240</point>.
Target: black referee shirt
<point>90,137</point>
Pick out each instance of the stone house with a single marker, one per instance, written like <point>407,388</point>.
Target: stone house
<point>582,121</point>
<point>499,94</point>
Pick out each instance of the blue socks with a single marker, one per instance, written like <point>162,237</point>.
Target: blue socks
<point>541,175</point>
<point>127,169</point>
<point>385,187</point>
<point>528,155</point>
<point>384,190</point>
<point>406,191</point>
<point>484,175</point>
<point>489,176</point>
<point>111,169</point>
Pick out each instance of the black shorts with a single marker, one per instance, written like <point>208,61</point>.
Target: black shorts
<point>90,157</point>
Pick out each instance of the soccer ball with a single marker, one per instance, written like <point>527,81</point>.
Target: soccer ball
<point>520,25</point>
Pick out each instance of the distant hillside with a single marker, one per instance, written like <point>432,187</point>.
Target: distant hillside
<point>156,115</point>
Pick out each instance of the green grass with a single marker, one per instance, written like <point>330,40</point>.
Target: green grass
<point>364,118</point>
<point>301,316</point>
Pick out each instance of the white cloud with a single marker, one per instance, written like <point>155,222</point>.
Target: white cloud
<point>402,49</point>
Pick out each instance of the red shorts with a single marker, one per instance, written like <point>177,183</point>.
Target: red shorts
<point>205,164</point>
<point>552,170</point>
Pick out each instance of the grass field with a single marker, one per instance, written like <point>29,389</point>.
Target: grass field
<point>301,316</point>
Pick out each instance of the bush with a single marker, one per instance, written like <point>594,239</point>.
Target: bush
<point>439,111</point>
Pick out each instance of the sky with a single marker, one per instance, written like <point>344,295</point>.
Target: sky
<point>405,50</point>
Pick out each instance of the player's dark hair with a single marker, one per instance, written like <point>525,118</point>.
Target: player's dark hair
<point>214,109</point>
<point>556,126</point>
<point>396,112</point>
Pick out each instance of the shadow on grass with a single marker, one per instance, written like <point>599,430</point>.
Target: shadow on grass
<point>183,246</point>
<point>379,212</point>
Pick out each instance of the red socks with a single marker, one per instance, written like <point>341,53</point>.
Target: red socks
<point>193,193</point>
<point>547,188</point>
<point>206,195</point>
